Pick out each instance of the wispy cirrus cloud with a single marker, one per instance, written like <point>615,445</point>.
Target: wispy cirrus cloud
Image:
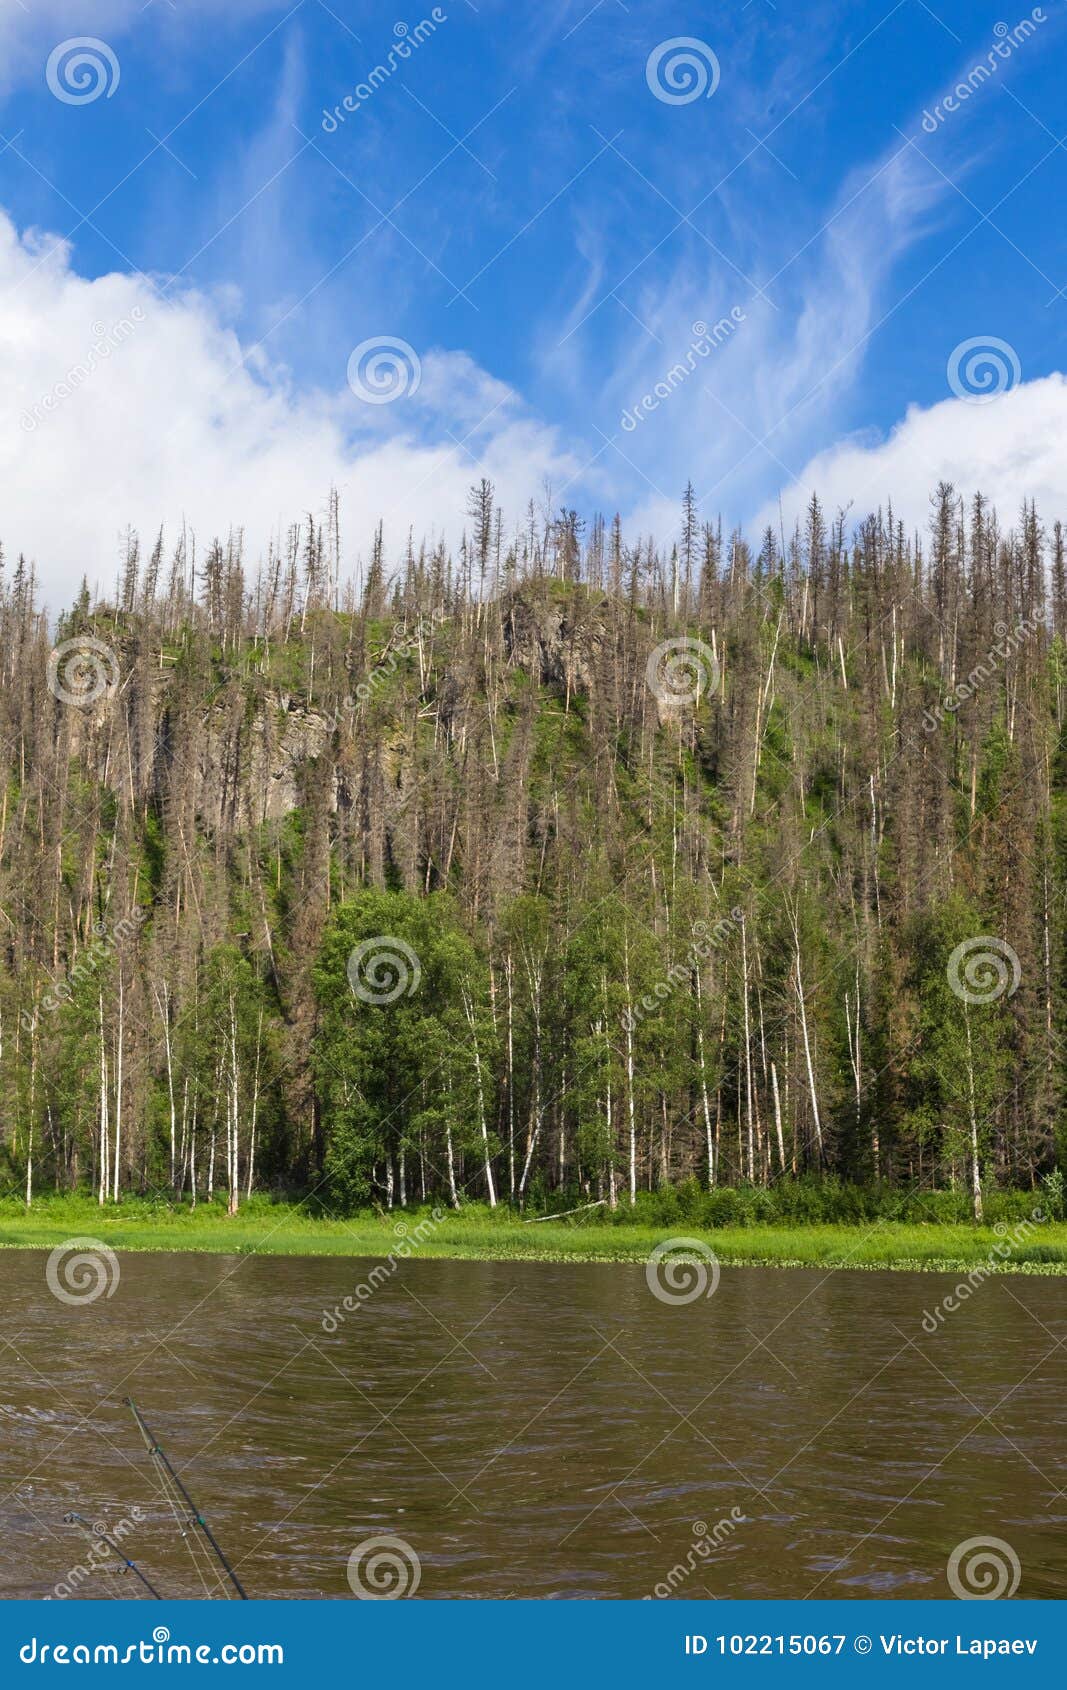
<point>787,376</point>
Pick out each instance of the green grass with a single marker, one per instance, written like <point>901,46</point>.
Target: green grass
<point>267,1228</point>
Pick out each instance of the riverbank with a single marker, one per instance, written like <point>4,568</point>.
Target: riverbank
<point>265,1228</point>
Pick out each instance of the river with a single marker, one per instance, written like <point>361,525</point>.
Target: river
<point>530,1429</point>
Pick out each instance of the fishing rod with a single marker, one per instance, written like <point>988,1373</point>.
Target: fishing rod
<point>97,1532</point>
<point>195,1514</point>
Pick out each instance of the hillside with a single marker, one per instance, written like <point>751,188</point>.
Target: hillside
<point>565,867</point>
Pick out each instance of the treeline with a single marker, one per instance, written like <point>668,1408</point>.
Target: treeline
<point>561,865</point>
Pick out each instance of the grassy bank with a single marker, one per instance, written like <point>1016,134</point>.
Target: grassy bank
<point>266,1228</point>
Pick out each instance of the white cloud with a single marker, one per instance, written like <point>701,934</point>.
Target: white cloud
<point>1011,448</point>
<point>125,407</point>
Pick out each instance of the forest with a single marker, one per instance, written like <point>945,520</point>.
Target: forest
<point>555,868</point>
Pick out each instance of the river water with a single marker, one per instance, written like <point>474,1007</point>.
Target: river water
<point>531,1429</point>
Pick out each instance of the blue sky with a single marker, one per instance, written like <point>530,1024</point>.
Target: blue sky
<point>515,202</point>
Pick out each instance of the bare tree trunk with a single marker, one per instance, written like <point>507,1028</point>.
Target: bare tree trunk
<point>976,1177</point>
<point>748,1056</point>
<point>32,1111</point>
<point>105,1166</point>
<point>163,1005</point>
<point>705,1101</point>
<point>453,1194</point>
<point>852,1027</point>
<point>533,1130</point>
<point>192,1151</point>
<point>468,1009</point>
<point>118,1087</point>
<point>232,1118</point>
<point>509,978</point>
<point>778,1119</point>
<point>630,1079</point>
<point>807,1045</point>
<point>255,1109</point>
<point>613,1196</point>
